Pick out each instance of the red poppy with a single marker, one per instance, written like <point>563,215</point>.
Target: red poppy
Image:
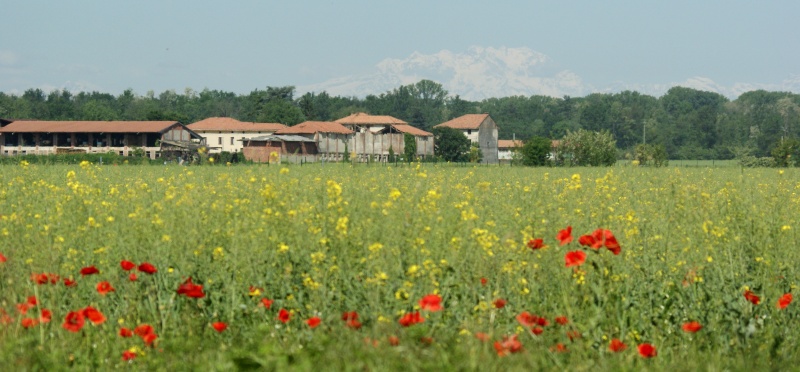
<point>89,270</point>
<point>508,345</point>
<point>349,315</point>
<point>219,326</point>
<point>46,316</point>
<point>128,355</point>
<point>313,322</point>
<point>143,330</point>
<point>149,338</point>
<point>133,277</point>
<point>69,282</point>
<point>126,265</point>
<point>73,322</point>
<point>29,322</point>
<point>147,268</point>
<point>537,330</point>
<point>40,278</point>
<point>589,241</point>
<point>284,316</point>
<point>482,336</point>
<point>425,340</point>
<point>574,258</point>
<point>104,287</point>
<point>431,302</point>
<point>124,332</point>
<point>94,315</point>
<point>784,301</point>
<point>616,345</point>
<point>499,303</point>
<point>537,243</point>
<point>32,301</point>
<point>3,259</point>
<point>527,319</point>
<point>53,278</point>
<point>564,236</point>
<point>410,319</point>
<point>394,340</point>
<point>562,320</point>
<point>484,281</point>
<point>559,348</point>
<point>692,327</point>
<point>647,350</point>
<point>750,296</point>
<point>606,238</point>
<point>266,302</point>
<point>190,289</point>
<point>573,335</point>
<point>23,308</point>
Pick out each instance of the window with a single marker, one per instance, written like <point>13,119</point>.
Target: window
<point>219,141</point>
<point>469,131</point>
<point>231,140</point>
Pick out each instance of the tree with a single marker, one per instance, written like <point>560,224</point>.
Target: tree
<point>409,147</point>
<point>786,152</point>
<point>535,151</point>
<point>450,144</point>
<point>586,148</point>
<point>649,154</point>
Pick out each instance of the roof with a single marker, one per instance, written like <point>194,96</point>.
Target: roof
<point>468,121</point>
<point>414,131</point>
<point>311,127</point>
<point>362,118</point>
<point>280,137</point>
<point>36,126</point>
<point>507,144</point>
<point>233,125</point>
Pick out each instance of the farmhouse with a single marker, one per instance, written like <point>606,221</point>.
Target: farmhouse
<point>228,134</point>
<point>307,141</point>
<point>376,135</point>
<point>506,148</point>
<point>481,130</point>
<point>34,137</point>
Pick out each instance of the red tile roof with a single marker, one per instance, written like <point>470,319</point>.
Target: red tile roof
<point>36,126</point>
<point>507,144</point>
<point>361,118</point>
<point>233,125</point>
<point>414,131</point>
<point>468,121</point>
<point>311,127</point>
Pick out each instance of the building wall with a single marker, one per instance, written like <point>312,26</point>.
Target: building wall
<point>259,152</point>
<point>221,140</point>
<point>487,141</point>
<point>333,143</point>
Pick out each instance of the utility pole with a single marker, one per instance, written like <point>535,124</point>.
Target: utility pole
<point>644,132</point>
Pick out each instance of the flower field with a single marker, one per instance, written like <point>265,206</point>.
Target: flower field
<point>412,267</point>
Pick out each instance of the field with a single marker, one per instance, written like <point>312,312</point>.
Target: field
<point>415,267</point>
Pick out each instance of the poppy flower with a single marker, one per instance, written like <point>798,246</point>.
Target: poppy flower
<point>143,329</point>
<point>573,335</point>
<point>23,308</point>
<point>40,278</point>
<point>127,265</point>
<point>32,301</point>
<point>104,288</point>
<point>29,322</point>
<point>94,315</point>
<point>606,238</point>
<point>349,315</point>
<point>562,320</point>
<point>147,268</point>
<point>89,270</point>
<point>266,302</point>
<point>149,338</point>
<point>691,327</point>
<point>564,236</point>
<point>527,319</point>
<point>53,278</point>
<point>313,322</point>
<point>616,345</point>
<point>431,302</point>
<point>483,281</point>
<point>536,244</point>
<point>3,259</point>
<point>482,336</point>
<point>46,316</point>
<point>647,350</point>
<point>73,322</point>
<point>574,258</point>
<point>128,355</point>
<point>69,282</point>
<point>750,296</point>
<point>784,301</point>
<point>190,289</point>
<point>588,241</point>
<point>537,330</point>
<point>410,319</point>
<point>425,340</point>
<point>219,326</point>
<point>499,303</point>
<point>133,277</point>
<point>394,340</point>
<point>559,348</point>
<point>124,332</point>
<point>509,345</point>
<point>284,316</point>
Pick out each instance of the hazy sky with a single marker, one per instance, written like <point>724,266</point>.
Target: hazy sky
<point>242,45</point>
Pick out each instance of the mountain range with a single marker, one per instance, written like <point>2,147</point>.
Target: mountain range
<point>485,72</point>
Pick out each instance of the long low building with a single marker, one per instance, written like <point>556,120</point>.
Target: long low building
<point>23,137</point>
<point>229,134</point>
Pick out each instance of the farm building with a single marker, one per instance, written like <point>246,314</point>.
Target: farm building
<point>228,134</point>
<point>505,149</point>
<point>307,141</point>
<point>375,135</point>
<point>481,130</point>
<point>34,137</point>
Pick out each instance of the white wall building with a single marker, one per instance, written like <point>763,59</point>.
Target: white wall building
<point>228,134</point>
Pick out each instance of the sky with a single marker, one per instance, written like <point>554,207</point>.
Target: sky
<point>239,46</point>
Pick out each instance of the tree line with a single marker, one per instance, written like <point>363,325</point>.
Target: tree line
<point>689,123</point>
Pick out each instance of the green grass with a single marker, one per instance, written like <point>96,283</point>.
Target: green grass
<point>693,240</point>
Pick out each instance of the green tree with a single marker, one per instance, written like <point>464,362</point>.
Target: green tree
<point>535,151</point>
<point>450,144</point>
<point>653,155</point>
<point>409,147</point>
<point>587,148</point>
<point>787,152</point>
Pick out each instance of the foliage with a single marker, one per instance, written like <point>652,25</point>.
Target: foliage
<point>786,153</point>
<point>450,144</point>
<point>749,161</point>
<point>535,152</point>
<point>586,148</point>
<point>652,155</point>
<point>475,155</point>
<point>409,147</point>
